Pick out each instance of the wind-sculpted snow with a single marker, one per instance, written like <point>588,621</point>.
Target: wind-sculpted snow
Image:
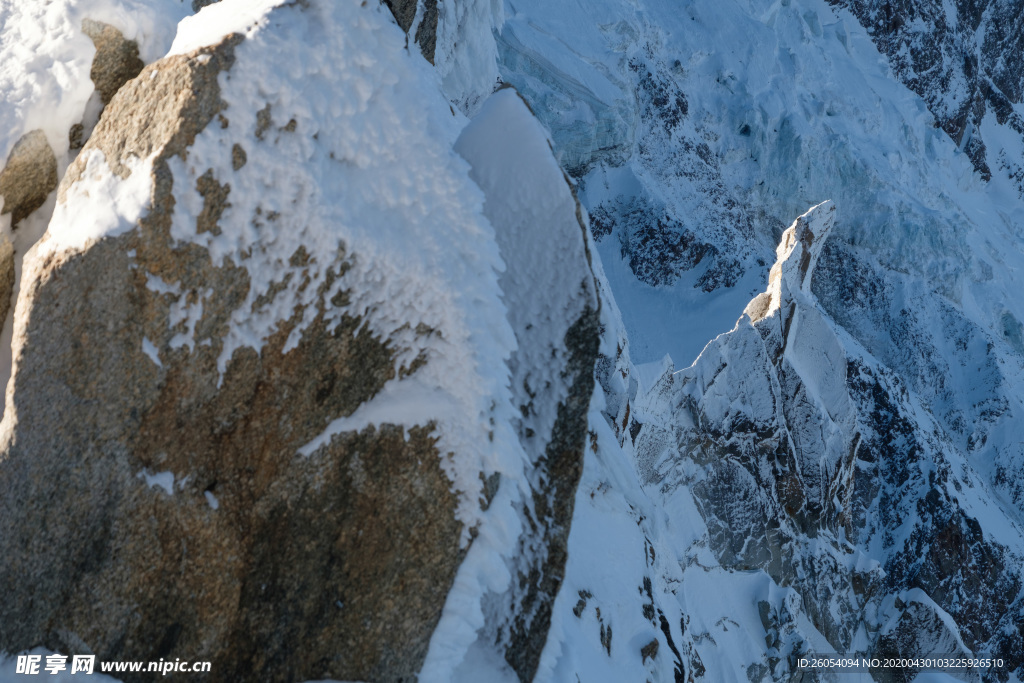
<point>687,140</point>
<point>298,219</point>
<point>696,514</point>
<point>787,494</point>
<point>650,144</point>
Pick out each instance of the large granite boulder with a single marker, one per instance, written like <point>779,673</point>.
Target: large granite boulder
<point>260,410</point>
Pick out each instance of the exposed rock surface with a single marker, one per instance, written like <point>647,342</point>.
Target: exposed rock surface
<point>806,448</point>
<point>63,62</point>
<point>243,475</point>
<point>321,401</point>
<point>657,145</point>
<point>275,579</point>
<point>60,55</point>
<point>964,58</point>
<point>865,488</point>
<point>28,177</point>
<point>426,29</point>
<point>116,61</point>
<point>6,276</point>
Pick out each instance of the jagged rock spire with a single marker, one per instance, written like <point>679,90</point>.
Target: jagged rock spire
<point>797,254</point>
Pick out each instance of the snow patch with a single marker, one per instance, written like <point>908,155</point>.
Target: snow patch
<point>216,21</point>
<point>162,480</point>
<point>100,204</point>
<point>149,348</point>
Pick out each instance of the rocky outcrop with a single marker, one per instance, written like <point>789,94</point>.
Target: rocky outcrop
<point>7,274</point>
<point>807,450</point>
<point>116,61</point>
<point>26,181</point>
<point>962,58</point>
<point>244,474</point>
<point>193,530</point>
<point>405,12</point>
<point>28,177</point>
<point>554,311</point>
<point>320,401</point>
<point>680,222</point>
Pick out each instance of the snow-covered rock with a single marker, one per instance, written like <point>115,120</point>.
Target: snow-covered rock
<point>965,61</point>
<point>902,381</point>
<point>319,396</point>
<point>551,296</point>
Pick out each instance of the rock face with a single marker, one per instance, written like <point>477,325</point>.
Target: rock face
<point>277,461</point>
<point>655,226</point>
<point>318,372</point>
<point>184,574</point>
<point>964,59</point>
<point>843,457</point>
<point>6,276</point>
<point>426,29</point>
<point>57,82</point>
<point>760,412</point>
<point>28,177</point>
<point>26,181</point>
<point>799,450</point>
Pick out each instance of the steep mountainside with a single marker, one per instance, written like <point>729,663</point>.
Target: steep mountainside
<point>868,475</point>
<point>966,60</point>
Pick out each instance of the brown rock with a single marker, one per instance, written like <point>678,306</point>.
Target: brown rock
<point>29,176</point>
<point>76,137</point>
<point>271,565</point>
<point>649,651</point>
<point>6,277</point>
<point>238,157</point>
<point>404,11</point>
<point>426,34</point>
<point>215,201</point>
<point>116,61</point>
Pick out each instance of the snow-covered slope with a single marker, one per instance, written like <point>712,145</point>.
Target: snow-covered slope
<point>693,149</point>
<point>965,61</point>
